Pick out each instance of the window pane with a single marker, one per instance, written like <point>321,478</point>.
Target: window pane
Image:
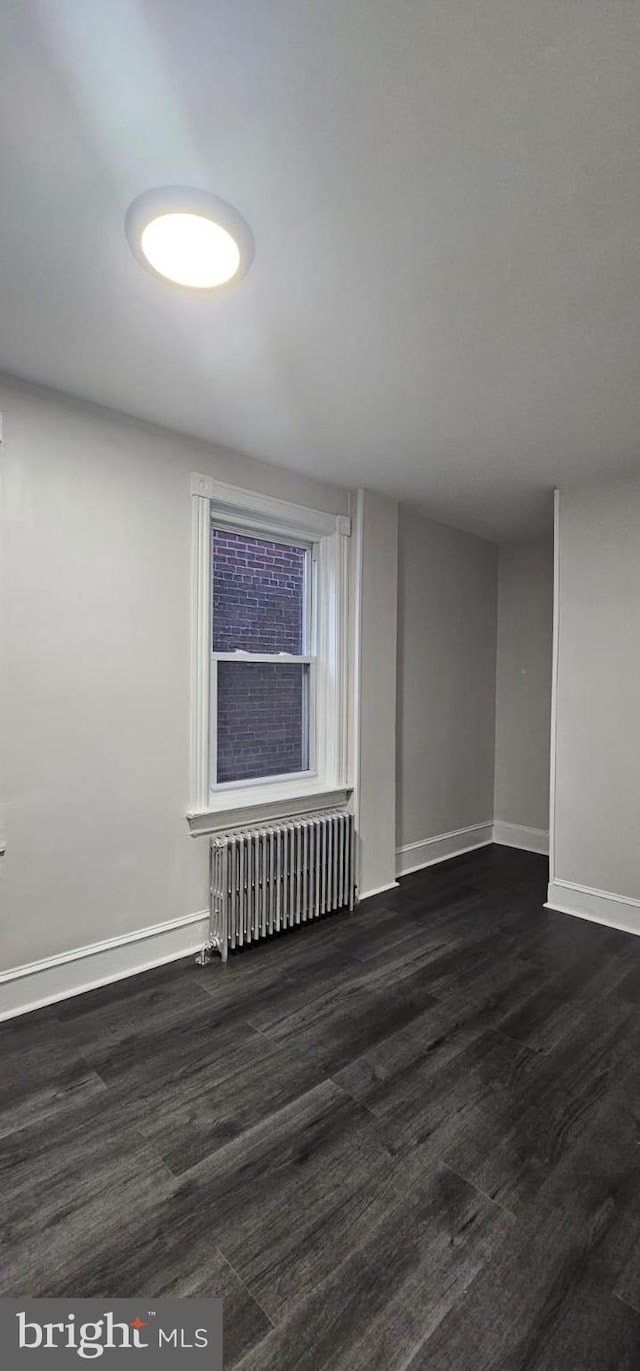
<point>262,718</point>
<point>258,594</point>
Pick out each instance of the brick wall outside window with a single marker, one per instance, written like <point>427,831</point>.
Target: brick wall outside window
<point>258,606</point>
<point>257,594</point>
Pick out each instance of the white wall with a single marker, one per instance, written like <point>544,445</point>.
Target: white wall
<point>94,716</point>
<point>378,531</point>
<point>446,688</point>
<point>523,688</point>
<point>596,806</point>
<point>94,711</point>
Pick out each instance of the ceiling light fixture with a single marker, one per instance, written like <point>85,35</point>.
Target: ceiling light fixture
<point>189,237</point>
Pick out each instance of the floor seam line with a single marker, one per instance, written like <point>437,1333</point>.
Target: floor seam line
<point>478,1188</point>
<point>623,1300</point>
<point>246,1287</point>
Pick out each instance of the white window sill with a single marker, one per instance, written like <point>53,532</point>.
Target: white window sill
<point>232,809</point>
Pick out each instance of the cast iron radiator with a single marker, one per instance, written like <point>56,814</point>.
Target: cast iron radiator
<point>274,876</point>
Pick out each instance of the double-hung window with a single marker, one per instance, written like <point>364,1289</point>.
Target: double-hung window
<point>270,640</point>
<point>263,661</point>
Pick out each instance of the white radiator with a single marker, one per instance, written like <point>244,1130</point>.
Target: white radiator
<point>275,876</point>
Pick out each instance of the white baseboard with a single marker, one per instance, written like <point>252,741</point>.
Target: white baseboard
<point>24,988</point>
<point>415,856</point>
<point>598,906</point>
<point>515,835</point>
<point>377,890</point>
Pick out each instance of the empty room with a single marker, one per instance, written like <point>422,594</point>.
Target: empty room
<point>319,663</point>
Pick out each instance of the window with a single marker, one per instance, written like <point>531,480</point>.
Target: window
<point>269,650</point>
<point>262,665</point>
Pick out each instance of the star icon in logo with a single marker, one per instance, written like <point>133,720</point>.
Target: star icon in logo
<point>137,1322</point>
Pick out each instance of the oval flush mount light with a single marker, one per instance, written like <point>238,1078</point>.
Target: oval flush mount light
<point>189,237</point>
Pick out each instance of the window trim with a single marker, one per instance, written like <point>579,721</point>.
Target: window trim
<point>215,503</point>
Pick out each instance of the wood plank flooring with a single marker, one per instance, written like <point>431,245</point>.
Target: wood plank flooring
<point>406,1139</point>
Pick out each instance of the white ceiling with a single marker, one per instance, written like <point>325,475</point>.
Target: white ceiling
<point>445,197</point>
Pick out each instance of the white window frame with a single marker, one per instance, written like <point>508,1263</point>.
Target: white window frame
<point>220,505</point>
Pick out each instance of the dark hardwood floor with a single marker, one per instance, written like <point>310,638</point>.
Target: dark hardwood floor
<point>406,1139</point>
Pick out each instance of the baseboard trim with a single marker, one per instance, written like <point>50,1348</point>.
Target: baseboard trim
<point>415,856</point>
<point>516,835</point>
<point>377,890</point>
<point>31,986</point>
<point>597,906</point>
